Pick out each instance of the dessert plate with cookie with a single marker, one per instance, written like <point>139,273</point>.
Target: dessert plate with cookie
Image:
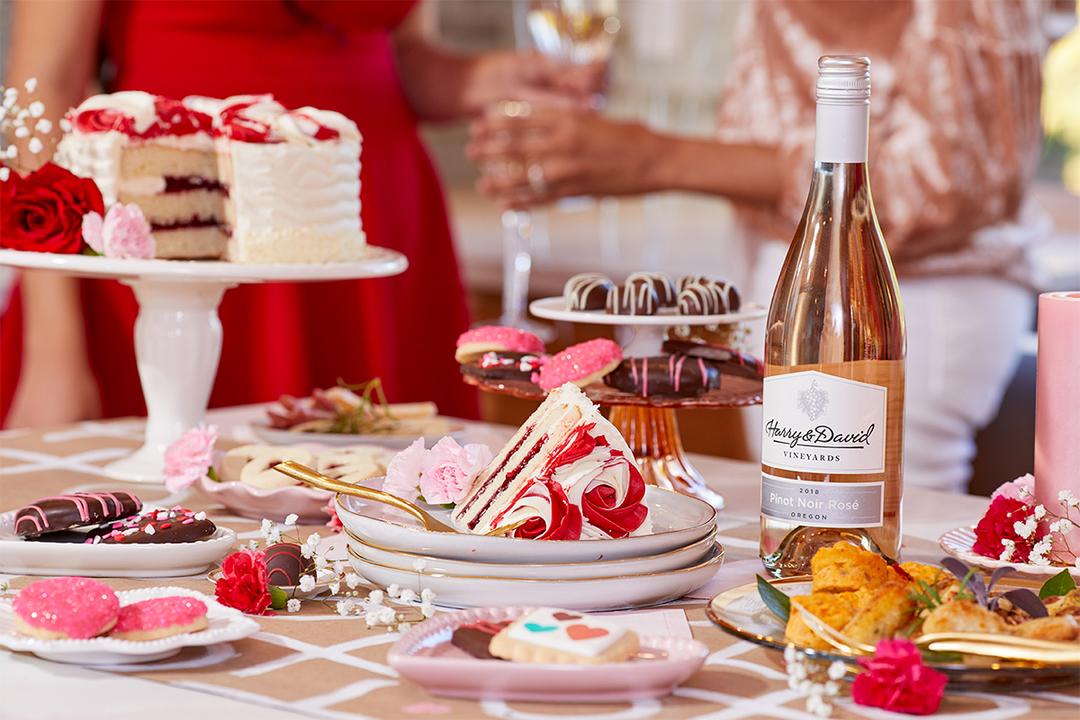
<point>542,654</point>
<point>83,621</point>
<point>248,486</point>
<point>108,534</point>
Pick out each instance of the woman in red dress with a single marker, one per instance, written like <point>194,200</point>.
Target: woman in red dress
<point>66,346</point>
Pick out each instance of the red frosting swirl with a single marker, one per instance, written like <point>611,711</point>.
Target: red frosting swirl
<point>617,521</point>
<point>103,120</point>
<point>322,132</point>
<point>234,125</point>
<point>173,118</point>
<point>565,519</point>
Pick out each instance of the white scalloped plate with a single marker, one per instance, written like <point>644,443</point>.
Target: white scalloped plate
<point>273,504</point>
<point>224,625</point>
<point>24,557</point>
<point>960,542</point>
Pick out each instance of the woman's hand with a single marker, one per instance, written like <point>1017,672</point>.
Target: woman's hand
<point>546,152</point>
<point>54,392</point>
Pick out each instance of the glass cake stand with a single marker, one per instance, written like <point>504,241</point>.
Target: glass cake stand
<point>649,424</point>
<point>178,332</point>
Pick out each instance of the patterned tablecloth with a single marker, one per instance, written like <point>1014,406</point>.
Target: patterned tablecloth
<point>317,664</point>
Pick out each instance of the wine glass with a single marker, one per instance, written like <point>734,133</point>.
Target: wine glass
<point>577,31</point>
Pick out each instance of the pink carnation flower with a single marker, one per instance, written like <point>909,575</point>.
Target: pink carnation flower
<point>190,457</point>
<point>442,474</point>
<point>895,679</point>
<point>1022,489</point>
<point>124,233</point>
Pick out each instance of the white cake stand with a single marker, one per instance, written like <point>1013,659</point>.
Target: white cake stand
<point>651,428</point>
<point>178,332</point>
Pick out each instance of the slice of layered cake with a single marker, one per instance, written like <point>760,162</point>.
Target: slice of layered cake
<point>293,182</point>
<point>159,154</point>
<point>567,474</point>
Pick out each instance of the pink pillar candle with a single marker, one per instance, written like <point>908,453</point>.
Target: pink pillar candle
<point>1057,402</point>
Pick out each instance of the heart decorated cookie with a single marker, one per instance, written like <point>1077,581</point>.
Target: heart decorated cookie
<point>548,635</point>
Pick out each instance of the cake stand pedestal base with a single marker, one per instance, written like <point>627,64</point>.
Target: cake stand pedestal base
<point>653,434</point>
<point>177,348</point>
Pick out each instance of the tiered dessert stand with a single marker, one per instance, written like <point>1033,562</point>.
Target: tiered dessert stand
<point>178,332</point>
<point>649,424</point>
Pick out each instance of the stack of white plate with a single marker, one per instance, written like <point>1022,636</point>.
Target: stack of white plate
<point>388,547</point>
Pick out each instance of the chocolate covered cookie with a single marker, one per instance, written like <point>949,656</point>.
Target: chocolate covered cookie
<point>475,638</point>
<point>587,291</point>
<point>663,376</point>
<point>63,512</point>
<point>503,366</point>
<point>661,284</point>
<point>175,525</point>
<point>727,360</point>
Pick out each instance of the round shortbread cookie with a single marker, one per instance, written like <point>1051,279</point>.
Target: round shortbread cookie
<point>65,608</point>
<point>161,617</point>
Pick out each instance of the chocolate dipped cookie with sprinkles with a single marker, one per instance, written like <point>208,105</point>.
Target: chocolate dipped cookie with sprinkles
<point>503,366</point>
<point>173,525</point>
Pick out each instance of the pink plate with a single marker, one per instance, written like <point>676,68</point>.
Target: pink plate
<point>425,656</point>
<point>275,504</point>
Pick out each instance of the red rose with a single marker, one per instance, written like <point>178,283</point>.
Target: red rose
<point>895,679</point>
<point>244,583</point>
<point>998,524</point>
<point>43,211</point>
<point>599,506</point>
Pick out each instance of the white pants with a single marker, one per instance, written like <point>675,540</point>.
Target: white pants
<point>963,341</point>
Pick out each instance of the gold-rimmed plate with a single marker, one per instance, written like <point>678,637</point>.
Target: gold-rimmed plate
<point>675,559</point>
<point>742,613</point>
<point>583,594</point>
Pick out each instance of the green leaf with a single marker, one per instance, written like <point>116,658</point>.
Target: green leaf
<point>278,598</point>
<point>1060,584</point>
<point>776,601</point>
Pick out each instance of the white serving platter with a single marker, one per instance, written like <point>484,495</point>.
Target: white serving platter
<point>584,594</point>
<point>26,557</point>
<point>677,519</point>
<point>223,625</point>
<point>661,562</point>
<point>425,656</point>
<point>554,308</point>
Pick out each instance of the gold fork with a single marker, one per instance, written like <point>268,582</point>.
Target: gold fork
<point>1004,647</point>
<point>309,476</point>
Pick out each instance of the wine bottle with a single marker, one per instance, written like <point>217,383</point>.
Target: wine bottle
<point>832,430</point>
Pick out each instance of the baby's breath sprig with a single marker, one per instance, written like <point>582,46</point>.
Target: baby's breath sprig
<point>816,680</point>
<point>23,123</point>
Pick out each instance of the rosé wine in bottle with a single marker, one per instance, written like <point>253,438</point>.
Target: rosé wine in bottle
<point>832,430</point>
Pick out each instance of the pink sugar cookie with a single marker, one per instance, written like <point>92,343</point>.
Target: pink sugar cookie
<point>65,607</point>
<point>581,364</point>
<point>160,617</point>
<point>473,343</point>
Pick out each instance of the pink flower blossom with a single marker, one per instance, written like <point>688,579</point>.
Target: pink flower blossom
<point>124,233</point>
<point>895,679</point>
<point>190,457</point>
<point>442,474</point>
<point>449,470</point>
<point>403,471</point>
<point>1022,489</point>
<point>334,523</point>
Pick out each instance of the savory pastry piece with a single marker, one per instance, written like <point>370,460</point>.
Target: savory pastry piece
<point>175,525</point>
<point>474,343</point>
<point>475,638</point>
<point>929,574</point>
<point>581,364</point>
<point>884,611</point>
<point>160,617</point>
<point>844,567</point>
<point>1063,628</point>
<point>633,299</point>
<point>659,283</point>
<point>728,361</point>
<point>548,635</point>
<point>503,366</point>
<point>664,376</point>
<point>285,564</point>
<point>62,512</point>
<point>254,465</point>
<point>1068,604</point>
<point>962,616</point>
<point>834,609</point>
<point>587,291</point>
<point>65,608</point>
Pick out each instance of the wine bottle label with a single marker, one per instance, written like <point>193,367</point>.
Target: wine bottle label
<point>823,504</point>
<point>815,422</point>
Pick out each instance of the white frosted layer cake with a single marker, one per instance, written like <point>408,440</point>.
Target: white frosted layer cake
<point>241,179</point>
<point>567,474</point>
